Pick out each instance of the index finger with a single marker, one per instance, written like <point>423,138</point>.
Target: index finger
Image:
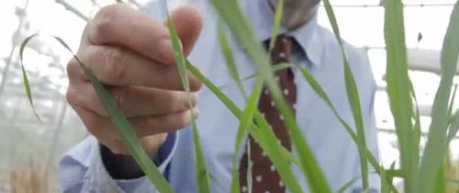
<point>121,25</point>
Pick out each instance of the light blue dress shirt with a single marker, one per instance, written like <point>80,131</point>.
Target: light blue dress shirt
<point>81,168</point>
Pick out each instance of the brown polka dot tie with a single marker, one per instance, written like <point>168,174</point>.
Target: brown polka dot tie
<point>265,178</point>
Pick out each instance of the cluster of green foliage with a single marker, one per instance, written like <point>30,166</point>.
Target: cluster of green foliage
<point>421,174</point>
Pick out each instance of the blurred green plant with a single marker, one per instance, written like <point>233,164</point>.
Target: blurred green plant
<point>421,174</point>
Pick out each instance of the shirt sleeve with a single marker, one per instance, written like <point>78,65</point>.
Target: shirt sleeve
<point>81,169</point>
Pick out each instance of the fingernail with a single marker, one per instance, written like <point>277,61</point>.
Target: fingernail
<point>195,112</point>
<point>166,51</point>
<point>194,98</point>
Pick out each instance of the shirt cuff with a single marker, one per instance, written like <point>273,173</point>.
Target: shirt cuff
<point>101,181</point>
<point>165,152</point>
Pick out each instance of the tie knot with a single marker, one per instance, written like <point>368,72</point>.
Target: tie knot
<point>282,49</point>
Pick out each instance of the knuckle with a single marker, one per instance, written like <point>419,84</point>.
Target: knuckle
<point>103,22</point>
<point>195,87</point>
<point>72,69</point>
<point>113,66</point>
<point>186,100</point>
<point>144,124</point>
<point>194,99</point>
<point>195,84</point>
<point>173,101</point>
<point>71,96</point>
<point>100,128</point>
<point>183,120</point>
<point>121,96</point>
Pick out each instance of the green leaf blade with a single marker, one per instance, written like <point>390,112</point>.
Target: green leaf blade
<point>126,132</point>
<point>229,58</point>
<point>247,117</point>
<point>277,23</point>
<point>262,134</point>
<point>233,17</point>
<point>202,174</point>
<point>322,94</point>
<point>353,99</point>
<point>25,78</point>
<point>436,145</point>
<point>400,94</point>
<point>454,127</point>
<point>122,126</point>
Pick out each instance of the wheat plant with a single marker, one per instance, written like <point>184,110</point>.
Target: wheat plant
<point>420,174</point>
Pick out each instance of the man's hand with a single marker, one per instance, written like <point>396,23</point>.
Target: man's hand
<point>132,54</point>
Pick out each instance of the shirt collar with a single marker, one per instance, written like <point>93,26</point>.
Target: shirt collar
<point>262,18</point>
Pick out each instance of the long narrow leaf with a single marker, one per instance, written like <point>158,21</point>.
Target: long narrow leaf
<point>233,17</point>
<point>202,174</point>
<point>25,79</point>
<point>321,93</point>
<point>436,145</point>
<point>454,127</point>
<point>277,21</point>
<point>273,150</point>
<point>264,137</point>
<point>346,186</point>
<point>384,184</point>
<point>454,124</point>
<point>440,179</point>
<point>416,137</point>
<point>253,100</point>
<point>235,184</point>
<point>211,86</point>
<point>398,88</point>
<point>122,126</point>
<point>229,58</point>
<point>451,102</point>
<point>249,170</point>
<point>353,98</point>
<point>247,117</point>
<point>275,68</point>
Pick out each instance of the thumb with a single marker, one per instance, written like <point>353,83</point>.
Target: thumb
<point>187,21</point>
